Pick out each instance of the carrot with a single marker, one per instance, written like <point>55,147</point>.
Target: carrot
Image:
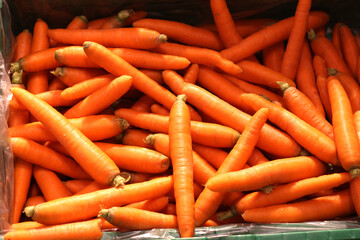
<point>135,137</point>
<point>299,104</point>
<point>305,78</point>
<point>153,74</point>
<point>345,135</point>
<point>22,178</point>
<point>215,156</point>
<point>40,40</point>
<point>199,55</point>
<point>50,184</point>
<point>143,104</point>
<point>350,85</point>
<point>272,56</point>
<point>253,88</point>
<point>202,169</point>
<point>354,191</point>
<point>35,153</point>
<point>324,48</point>
<point>138,38</point>
<point>277,171</point>
<point>208,202</point>
<point>97,164</point>
<point>271,35</point>
<point>335,38</point>
<point>357,122</point>
<point>323,148</point>
<point>53,98</point>
<point>92,187</point>
<point>117,20</point>
<point>26,225</point>
<point>209,134</point>
<point>95,127</point>
<point>23,45</point>
<point>138,219</point>
<point>154,205</point>
<point>101,98</point>
<point>319,66</point>
<point>135,158</point>
<point>292,52</point>
<point>85,88</point>
<point>180,144</point>
<point>340,205</point>
<point>85,206</point>
<point>173,80</point>
<point>349,48</point>
<point>17,116</point>
<point>56,84</point>
<point>90,229</point>
<point>78,22</point>
<point>34,200</point>
<point>74,56</point>
<point>158,109</point>
<point>183,33</point>
<point>191,73</point>
<point>236,119</point>
<point>75,185</point>
<point>71,75</point>
<point>291,191</point>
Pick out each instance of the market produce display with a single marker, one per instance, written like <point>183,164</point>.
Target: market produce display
<point>131,122</point>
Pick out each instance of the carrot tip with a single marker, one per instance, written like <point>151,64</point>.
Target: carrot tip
<point>15,67</point>
<point>181,97</point>
<point>355,172</point>
<point>162,38</point>
<point>120,180</point>
<point>311,34</point>
<point>221,216</point>
<point>332,71</point>
<point>16,78</point>
<point>83,18</point>
<point>29,211</point>
<point>103,213</point>
<point>59,71</point>
<point>150,139</point>
<point>86,44</point>
<point>123,15</point>
<point>123,123</point>
<point>268,189</point>
<point>283,85</point>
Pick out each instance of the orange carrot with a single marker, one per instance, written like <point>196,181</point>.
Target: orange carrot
<point>26,225</point>
<point>137,219</point>
<point>324,48</point>
<point>74,56</point>
<point>35,153</point>
<point>335,38</point>
<point>191,73</point>
<point>202,169</point>
<point>85,206</point>
<point>154,205</point>
<point>101,98</point>
<point>288,192</point>
<point>75,185</point>
<point>272,56</point>
<point>17,116</point>
<point>208,202</point>
<point>299,104</point>
<point>210,134</point>
<point>349,48</point>
<point>354,191</point>
<point>92,187</point>
<point>22,178</point>
<point>183,33</point>
<point>90,229</point>
<point>271,35</point>
<point>345,135</point>
<point>23,45</point>
<point>135,137</point>
<point>357,122</point>
<point>135,158</point>
<point>305,78</point>
<point>95,127</point>
<point>180,144</point>
<point>292,52</point>
<point>56,84</point>
<point>50,184</point>
<point>85,88</point>
<point>323,148</point>
<point>158,109</point>
<point>215,156</point>
<point>236,119</point>
<point>143,104</point>
<point>140,38</point>
<point>340,204</point>
<point>71,76</point>
<point>117,20</point>
<point>78,22</point>
<point>35,200</point>
<point>199,55</point>
<point>350,85</point>
<point>259,74</point>
<point>319,66</point>
<point>277,171</point>
<point>95,162</point>
<point>40,40</point>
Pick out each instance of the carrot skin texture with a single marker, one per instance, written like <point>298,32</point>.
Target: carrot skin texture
<point>85,206</point>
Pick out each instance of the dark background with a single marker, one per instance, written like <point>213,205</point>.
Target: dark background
<point>58,13</point>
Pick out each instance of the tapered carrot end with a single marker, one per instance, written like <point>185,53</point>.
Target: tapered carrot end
<point>221,216</point>
<point>124,15</point>
<point>58,72</point>
<point>181,97</point>
<point>162,38</point>
<point>83,18</point>
<point>86,44</point>
<point>283,85</point>
<point>123,123</point>
<point>332,71</point>
<point>120,180</point>
<point>311,34</point>
<point>16,78</point>
<point>355,172</point>
<point>29,211</point>
<point>150,139</point>
<point>103,213</point>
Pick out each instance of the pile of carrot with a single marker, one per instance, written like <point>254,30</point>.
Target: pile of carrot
<point>128,122</point>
